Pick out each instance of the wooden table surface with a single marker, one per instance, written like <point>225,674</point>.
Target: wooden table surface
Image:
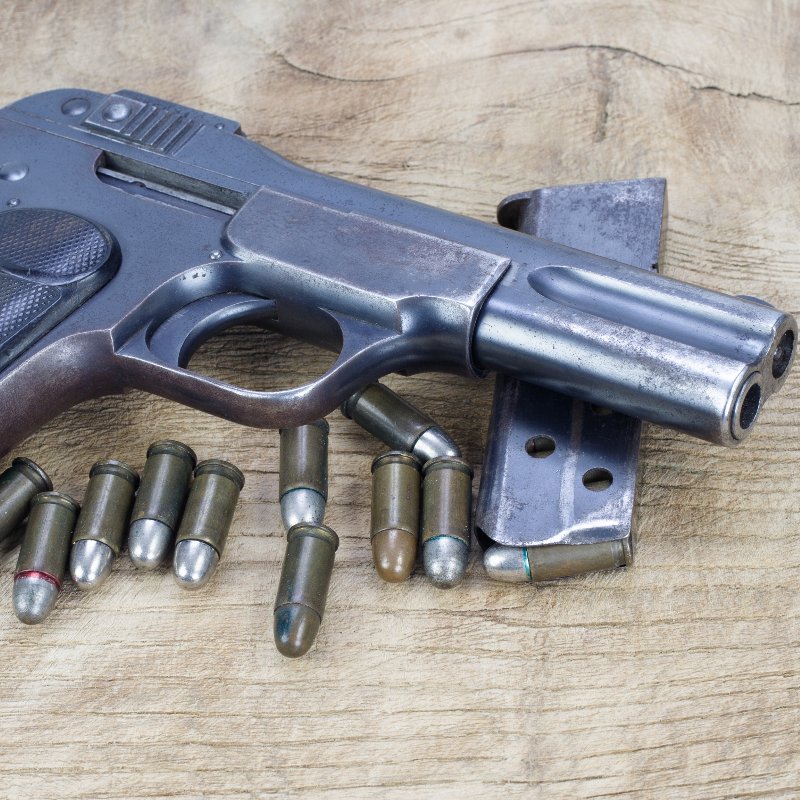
<point>676,678</point>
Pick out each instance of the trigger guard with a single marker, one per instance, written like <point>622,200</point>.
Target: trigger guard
<point>151,363</point>
<point>176,339</point>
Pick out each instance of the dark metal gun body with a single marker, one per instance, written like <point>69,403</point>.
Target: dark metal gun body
<point>204,229</point>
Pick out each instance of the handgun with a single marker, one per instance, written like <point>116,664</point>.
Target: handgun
<point>133,229</point>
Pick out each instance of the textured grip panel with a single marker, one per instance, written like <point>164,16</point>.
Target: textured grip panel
<point>50,262</point>
<point>21,303</point>
<point>50,246</point>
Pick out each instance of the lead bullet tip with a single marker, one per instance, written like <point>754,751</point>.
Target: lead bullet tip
<point>148,543</point>
<point>90,563</point>
<point>194,563</point>
<point>34,598</point>
<point>445,560</point>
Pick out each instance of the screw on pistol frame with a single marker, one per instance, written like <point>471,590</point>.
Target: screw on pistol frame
<point>19,484</point>
<point>160,502</point>
<point>550,562</point>
<point>304,473</point>
<point>43,556</point>
<point>446,519</point>
<point>398,424</point>
<point>394,524</point>
<point>303,587</point>
<point>206,522</point>
<point>102,522</point>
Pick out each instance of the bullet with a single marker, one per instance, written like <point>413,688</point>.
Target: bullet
<point>446,519</point>
<point>43,556</point>
<point>206,522</point>
<point>303,587</point>
<point>19,484</point>
<point>394,526</point>
<point>398,424</point>
<point>160,502</point>
<point>303,474</point>
<point>102,522</point>
<point>550,562</point>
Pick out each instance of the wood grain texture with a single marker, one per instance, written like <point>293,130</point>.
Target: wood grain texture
<point>678,678</point>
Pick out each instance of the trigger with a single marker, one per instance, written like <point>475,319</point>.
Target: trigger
<point>177,338</point>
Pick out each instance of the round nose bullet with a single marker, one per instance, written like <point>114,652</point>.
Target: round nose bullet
<point>102,522</point>
<point>206,522</point>
<point>35,597</point>
<point>90,562</point>
<point>195,562</point>
<point>43,556</point>
<point>446,520</point>
<point>303,587</point>
<point>149,541</point>
<point>394,522</point>
<point>160,502</point>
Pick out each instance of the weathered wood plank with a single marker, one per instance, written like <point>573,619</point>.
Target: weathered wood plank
<point>678,678</point>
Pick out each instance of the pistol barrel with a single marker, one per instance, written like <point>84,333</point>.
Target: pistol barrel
<point>647,346</point>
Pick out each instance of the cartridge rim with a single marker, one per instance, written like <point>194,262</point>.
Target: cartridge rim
<point>322,424</point>
<point>34,473</point>
<point>217,466</point>
<point>447,462</point>
<point>57,498</point>
<point>172,447</point>
<point>396,457</point>
<point>118,468</point>
<point>348,405</point>
<point>318,531</point>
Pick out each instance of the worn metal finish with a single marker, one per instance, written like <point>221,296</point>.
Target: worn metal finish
<point>160,501</point>
<point>303,587</point>
<point>18,485</point>
<point>398,424</point>
<point>42,559</point>
<point>551,562</point>
<point>392,284</point>
<point>206,521</point>
<point>395,514</point>
<point>446,519</point>
<point>303,475</point>
<point>541,445</point>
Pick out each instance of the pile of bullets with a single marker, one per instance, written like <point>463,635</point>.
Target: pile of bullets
<point>421,489</point>
<point>421,492</point>
<point>175,495</point>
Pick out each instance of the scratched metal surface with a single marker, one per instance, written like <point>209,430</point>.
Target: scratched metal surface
<point>678,678</point>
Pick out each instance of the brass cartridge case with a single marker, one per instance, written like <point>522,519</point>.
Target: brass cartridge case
<point>107,504</point>
<point>211,504</point>
<point>165,483</point>
<point>18,485</point>
<point>394,526</point>
<point>303,587</point>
